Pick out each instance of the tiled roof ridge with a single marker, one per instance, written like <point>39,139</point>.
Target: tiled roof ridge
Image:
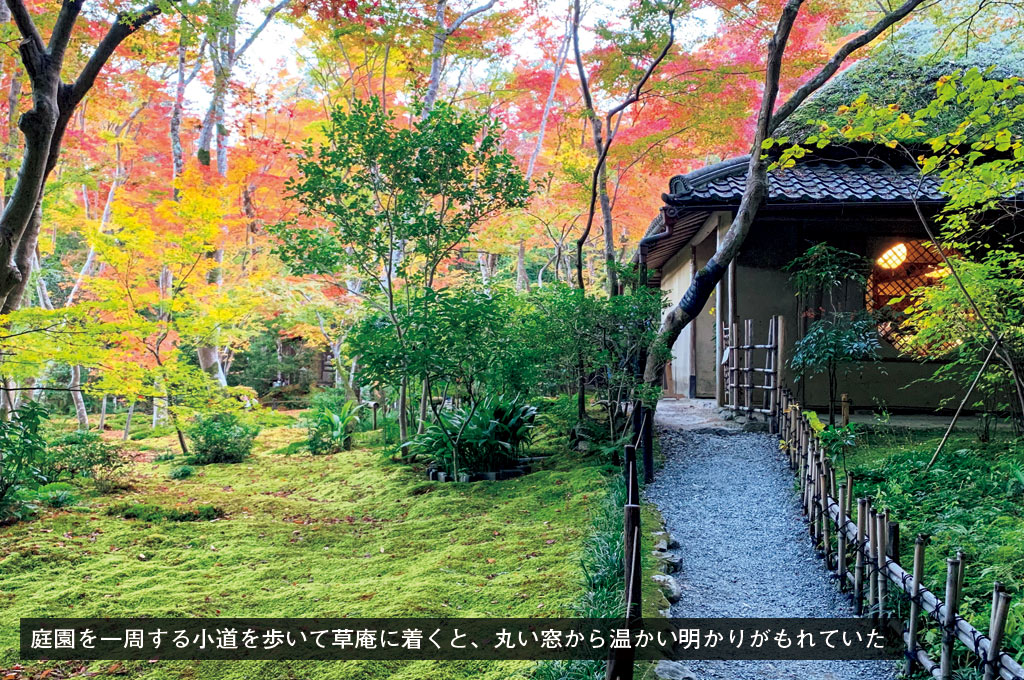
<point>852,178</point>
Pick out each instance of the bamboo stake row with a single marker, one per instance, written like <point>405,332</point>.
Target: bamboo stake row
<point>873,540</point>
<point>743,381</point>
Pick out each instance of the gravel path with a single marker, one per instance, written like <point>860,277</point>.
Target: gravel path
<point>729,500</point>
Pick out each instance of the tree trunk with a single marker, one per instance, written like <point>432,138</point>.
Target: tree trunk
<point>103,413</point>
<point>403,415</point>
<point>522,279</point>
<point>128,421</point>
<point>76,397</point>
<point>768,119</point>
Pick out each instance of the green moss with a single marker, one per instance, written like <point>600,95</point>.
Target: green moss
<point>339,535</point>
<point>971,500</point>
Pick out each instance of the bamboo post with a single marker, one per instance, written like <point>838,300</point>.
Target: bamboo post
<point>780,348</point>
<point>997,623</point>
<point>849,494</point>
<point>915,604</point>
<point>734,362</point>
<point>629,461</point>
<point>846,409</point>
<point>647,438</point>
<point>634,570</point>
<point>948,636</point>
<point>858,569</point>
<point>826,539</point>
<point>748,365</point>
<point>881,555</point>
<point>872,522</point>
<point>841,535</point>
<point>620,660</point>
<point>772,376</point>
<point>960,575</point>
<point>893,541</point>
<point>794,418</point>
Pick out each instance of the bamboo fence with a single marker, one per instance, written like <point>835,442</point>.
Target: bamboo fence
<point>861,548</point>
<point>869,541</point>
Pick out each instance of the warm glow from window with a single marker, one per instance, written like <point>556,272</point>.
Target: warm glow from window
<point>893,257</point>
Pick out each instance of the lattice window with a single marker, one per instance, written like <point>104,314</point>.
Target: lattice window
<point>895,274</point>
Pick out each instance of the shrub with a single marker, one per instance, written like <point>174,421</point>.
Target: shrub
<point>182,472</point>
<point>57,494</point>
<point>484,438</point>
<point>164,458</point>
<point>330,426</point>
<point>154,513</point>
<point>220,438</point>
<point>81,453</point>
<point>24,450</point>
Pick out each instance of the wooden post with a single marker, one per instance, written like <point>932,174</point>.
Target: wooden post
<point>872,560</point>
<point>882,558</point>
<point>846,409</point>
<point>893,543</point>
<point>960,575</point>
<point>1000,607</point>
<point>948,636</point>
<point>858,573</point>
<point>849,494</point>
<point>648,445</point>
<point>823,511</point>
<point>620,661</point>
<point>841,538</point>
<point>780,348</point>
<point>748,366</point>
<point>692,391</point>
<point>915,605</point>
<point>375,407</point>
<point>734,381</point>
<point>633,566</point>
<point>629,473</point>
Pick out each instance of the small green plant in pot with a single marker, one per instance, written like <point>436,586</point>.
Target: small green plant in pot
<point>330,430</point>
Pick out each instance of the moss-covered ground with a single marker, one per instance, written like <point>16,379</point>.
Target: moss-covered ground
<point>350,535</point>
<point>971,500</point>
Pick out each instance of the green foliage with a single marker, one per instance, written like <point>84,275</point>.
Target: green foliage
<point>823,267</point>
<point>267,358</point>
<point>81,454</point>
<point>945,327</point>
<point>378,185</point>
<point>57,494</point>
<point>23,450</point>
<point>148,512</point>
<point>603,583</point>
<point>836,338</point>
<point>164,458</point>
<point>220,438</point>
<point>465,337</point>
<point>969,501</point>
<point>181,472</point>
<point>329,424</point>
<point>485,437</point>
<point>967,137</point>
